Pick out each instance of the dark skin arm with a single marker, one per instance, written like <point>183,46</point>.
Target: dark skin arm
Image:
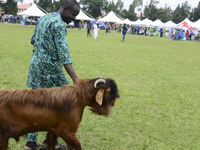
<point>70,70</point>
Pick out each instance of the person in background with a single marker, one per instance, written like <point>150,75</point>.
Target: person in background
<point>151,31</point>
<point>190,35</point>
<point>145,30</point>
<point>198,36</point>
<point>89,26</point>
<point>187,35</point>
<point>95,30</point>
<point>195,35</point>
<point>115,27</point>
<point>135,30</point>
<point>182,34</point>
<point>174,34</point>
<point>124,30</point>
<point>109,27</point>
<point>50,52</point>
<point>164,32</point>
<point>25,21</point>
<point>157,33</point>
<point>161,32</point>
<point>80,25</point>
<point>179,35</point>
<point>138,30</point>
<point>1,18</point>
<point>106,26</point>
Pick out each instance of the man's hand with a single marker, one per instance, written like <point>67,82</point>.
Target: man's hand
<point>70,70</point>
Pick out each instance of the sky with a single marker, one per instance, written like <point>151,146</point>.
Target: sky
<point>172,3</point>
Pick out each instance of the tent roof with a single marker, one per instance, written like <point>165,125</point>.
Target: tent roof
<point>110,17</point>
<point>169,24</point>
<point>186,23</point>
<point>138,22</point>
<point>126,21</point>
<point>146,22</point>
<point>157,23</point>
<point>83,16</point>
<point>32,11</point>
<point>197,24</point>
<point>23,6</point>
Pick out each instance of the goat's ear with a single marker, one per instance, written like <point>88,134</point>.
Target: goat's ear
<point>99,96</point>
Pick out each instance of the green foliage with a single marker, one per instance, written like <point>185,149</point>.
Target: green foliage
<point>131,12</point>
<point>195,14</point>
<point>165,14</point>
<point>45,4</point>
<point>93,7</point>
<point>117,8</point>
<point>181,12</point>
<point>150,11</point>
<point>49,5</point>
<point>10,7</point>
<point>158,81</point>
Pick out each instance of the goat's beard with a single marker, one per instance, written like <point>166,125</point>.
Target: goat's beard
<point>105,111</point>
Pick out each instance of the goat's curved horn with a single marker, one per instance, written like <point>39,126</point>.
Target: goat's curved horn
<point>99,81</point>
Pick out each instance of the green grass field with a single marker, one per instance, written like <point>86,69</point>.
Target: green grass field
<point>158,80</point>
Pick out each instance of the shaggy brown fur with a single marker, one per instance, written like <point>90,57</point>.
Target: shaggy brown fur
<point>57,110</point>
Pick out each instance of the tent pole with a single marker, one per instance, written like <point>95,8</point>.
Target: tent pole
<point>41,8</point>
<point>88,14</point>
<point>118,15</point>
<point>102,15</point>
<point>114,13</point>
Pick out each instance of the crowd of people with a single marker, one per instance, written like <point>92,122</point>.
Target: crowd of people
<point>179,34</point>
<point>19,20</point>
<point>10,19</point>
<point>175,34</point>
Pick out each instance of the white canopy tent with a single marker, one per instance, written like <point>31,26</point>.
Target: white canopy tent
<point>138,22</point>
<point>83,16</point>
<point>110,17</point>
<point>126,21</point>
<point>32,11</point>
<point>169,24</point>
<point>197,24</point>
<point>186,23</point>
<point>146,22</point>
<point>157,23</point>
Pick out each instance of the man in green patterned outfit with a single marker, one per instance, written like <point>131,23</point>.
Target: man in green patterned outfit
<point>50,52</point>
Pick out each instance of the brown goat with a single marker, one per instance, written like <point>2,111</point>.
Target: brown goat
<point>56,110</point>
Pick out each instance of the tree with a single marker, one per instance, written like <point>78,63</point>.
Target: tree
<point>165,14</point>
<point>185,10</point>
<point>10,7</point>
<point>56,5</point>
<point>176,18</point>
<point>150,11</point>
<point>46,5</point>
<point>94,7</point>
<point>180,13</point>
<point>130,14</point>
<point>117,8</point>
<point>195,14</point>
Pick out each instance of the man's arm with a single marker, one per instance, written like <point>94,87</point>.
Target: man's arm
<point>70,70</point>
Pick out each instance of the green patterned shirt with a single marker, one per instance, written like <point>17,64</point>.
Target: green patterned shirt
<point>50,52</point>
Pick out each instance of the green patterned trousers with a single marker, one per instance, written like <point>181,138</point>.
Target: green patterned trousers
<point>32,137</point>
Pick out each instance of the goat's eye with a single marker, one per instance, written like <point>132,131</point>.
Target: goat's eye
<point>108,90</point>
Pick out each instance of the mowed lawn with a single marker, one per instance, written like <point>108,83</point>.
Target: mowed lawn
<point>158,80</point>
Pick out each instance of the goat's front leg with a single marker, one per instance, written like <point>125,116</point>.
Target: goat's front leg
<point>51,140</point>
<point>71,141</point>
